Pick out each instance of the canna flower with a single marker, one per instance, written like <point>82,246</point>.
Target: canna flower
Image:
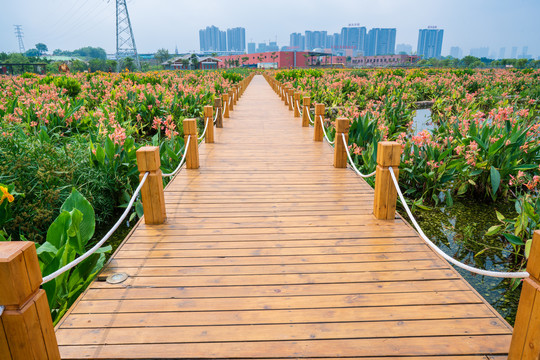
<point>5,195</point>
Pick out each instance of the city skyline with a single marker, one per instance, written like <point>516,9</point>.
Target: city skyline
<point>91,23</point>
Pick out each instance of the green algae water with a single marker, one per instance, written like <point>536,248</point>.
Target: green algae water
<point>459,231</point>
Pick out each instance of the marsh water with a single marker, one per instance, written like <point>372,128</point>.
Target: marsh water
<point>459,231</point>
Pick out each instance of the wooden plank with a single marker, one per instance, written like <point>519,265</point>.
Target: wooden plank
<point>415,346</point>
<point>119,292</point>
<point>247,317</point>
<point>260,303</point>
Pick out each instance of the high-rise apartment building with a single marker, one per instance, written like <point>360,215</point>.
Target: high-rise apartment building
<point>456,52</point>
<point>430,43</point>
<point>212,39</point>
<point>380,41</point>
<point>481,52</point>
<point>316,39</point>
<point>404,49</point>
<point>236,39</point>
<point>297,42</point>
<point>513,55</point>
<point>353,38</point>
<point>252,47</point>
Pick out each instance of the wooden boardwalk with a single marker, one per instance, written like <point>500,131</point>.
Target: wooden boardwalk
<point>271,252</point>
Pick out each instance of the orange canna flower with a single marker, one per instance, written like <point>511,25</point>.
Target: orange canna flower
<point>5,195</point>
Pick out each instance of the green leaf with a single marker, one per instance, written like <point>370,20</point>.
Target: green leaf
<point>449,200</point>
<point>74,233</point>
<point>513,239</point>
<point>109,148</point>
<point>462,189</point>
<point>100,155</point>
<point>88,223</point>
<point>499,216</point>
<point>528,246</point>
<point>57,232</point>
<point>495,180</point>
<point>493,230</point>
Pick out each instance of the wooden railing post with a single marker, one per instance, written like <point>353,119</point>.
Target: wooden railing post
<point>231,100</point>
<point>388,154</point>
<point>219,112</point>
<point>305,116</point>
<point>285,95</point>
<point>318,133</point>
<point>26,328</point>
<point>290,96</point>
<point>209,117</point>
<point>235,94</point>
<point>192,156</point>
<point>526,337</point>
<point>153,199</point>
<point>296,104</point>
<point>225,98</point>
<point>340,154</point>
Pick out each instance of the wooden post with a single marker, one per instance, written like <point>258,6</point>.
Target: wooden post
<point>209,117</point>
<point>297,104</point>
<point>219,119</point>
<point>305,116</point>
<point>290,97</point>
<point>526,337</point>
<point>231,100</point>
<point>26,328</point>
<point>286,95</point>
<point>340,152</point>
<point>225,98</point>
<point>319,111</point>
<point>192,157</point>
<point>153,199</point>
<point>388,154</point>
<point>235,94</point>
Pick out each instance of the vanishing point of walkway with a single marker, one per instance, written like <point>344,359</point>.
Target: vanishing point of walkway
<point>271,252</point>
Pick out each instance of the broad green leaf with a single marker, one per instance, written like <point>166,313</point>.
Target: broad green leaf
<point>495,180</point>
<point>109,148</point>
<point>463,189</point>
<point>499,216</point>
<point>100,155</point>
<point>513,239</point>
<point>57,232</point>
<point>493,230</point>
<point>88,223</point>
<point>73,232</point>
<point>528,246</point>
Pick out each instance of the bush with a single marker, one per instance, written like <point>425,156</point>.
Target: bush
<point>73,86</point>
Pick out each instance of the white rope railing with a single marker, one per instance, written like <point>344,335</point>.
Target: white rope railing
<point>215,117</point>
<point>205,127</point>
<point>311,121</point>
<point>297,103</point>
<point>324,131</point>
<point>181,161</point>
<point>352,162</point>
<point>522,274</point>
<point>84,256</point>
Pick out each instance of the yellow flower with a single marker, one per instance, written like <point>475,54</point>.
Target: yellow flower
<point>5,195</point>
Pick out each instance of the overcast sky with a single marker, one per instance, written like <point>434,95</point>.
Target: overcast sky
<point>159,24</point>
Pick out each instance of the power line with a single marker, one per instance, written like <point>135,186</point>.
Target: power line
<point>19,34</point>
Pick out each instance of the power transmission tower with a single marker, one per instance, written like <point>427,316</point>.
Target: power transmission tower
<point>125,41</point>
<point>19,34</point>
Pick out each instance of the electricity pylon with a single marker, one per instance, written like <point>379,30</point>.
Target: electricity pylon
<point>125,41</point>
<point>19,34</point>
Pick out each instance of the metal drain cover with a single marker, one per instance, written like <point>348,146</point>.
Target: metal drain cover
<point>117,278</point>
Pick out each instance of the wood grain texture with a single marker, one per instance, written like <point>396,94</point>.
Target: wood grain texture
<point>271,252</point>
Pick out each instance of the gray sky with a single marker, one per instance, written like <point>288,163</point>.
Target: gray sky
<point>168,23</point>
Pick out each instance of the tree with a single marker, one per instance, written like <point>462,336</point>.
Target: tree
<point>162,55</point>
<point>128,63</point>
<point>32,53</point>
<point>78,66</point>
<point>244,59</point>
<point>3,56</point>
<point>42,48</point>
<point>194,61</point>
<point>468,60</point>
<point>57,52</point>
<point>185,63</point>
<point>520,63</point>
